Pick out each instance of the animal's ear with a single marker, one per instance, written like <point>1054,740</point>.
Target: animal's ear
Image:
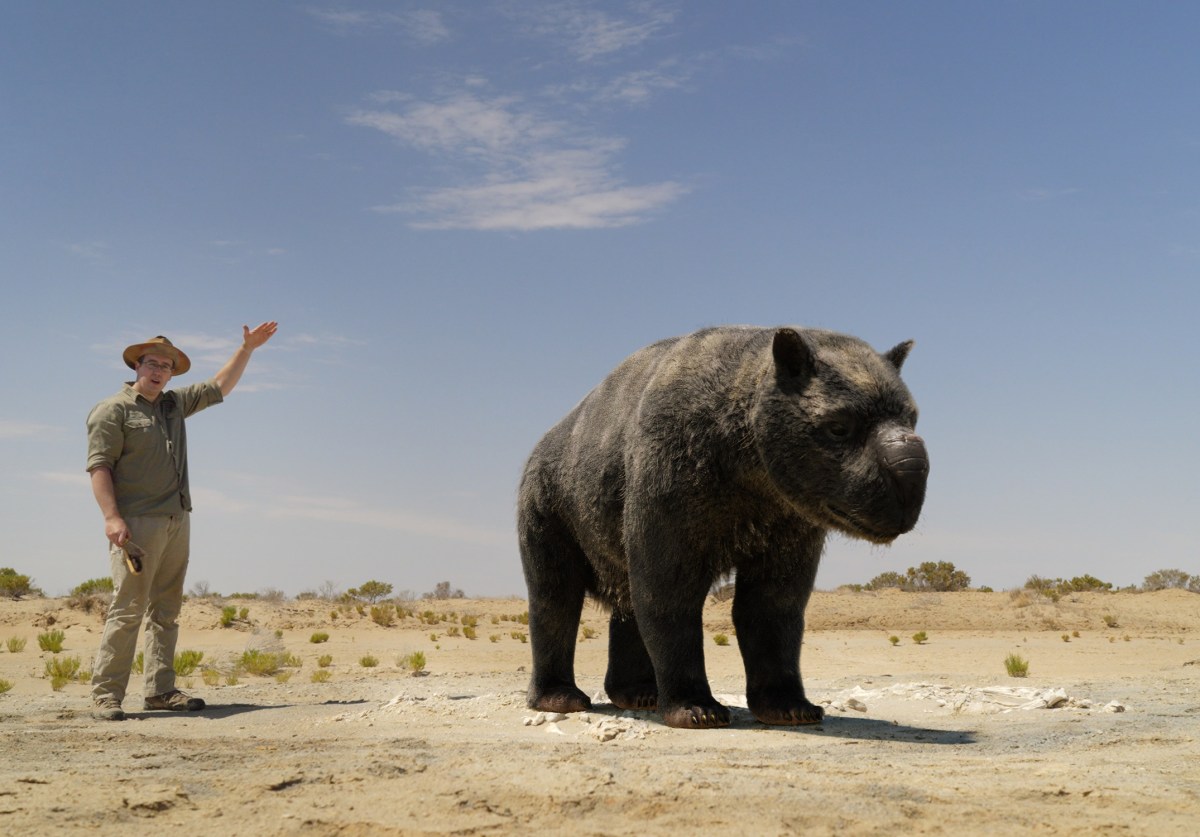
<point>897,355</point>
<point>792,355</point>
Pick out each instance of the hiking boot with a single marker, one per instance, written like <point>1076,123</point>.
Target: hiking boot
<point>107,709</point>
<point>174,701</point>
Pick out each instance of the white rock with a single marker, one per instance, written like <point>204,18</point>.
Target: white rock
<point>1114,706</point>
<point>856,704</point>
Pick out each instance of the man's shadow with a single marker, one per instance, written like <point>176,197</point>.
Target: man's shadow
<point>221,711</point>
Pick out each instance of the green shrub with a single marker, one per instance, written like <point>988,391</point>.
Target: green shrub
<point>920,637</point>
<point>210,676</point>
<point>318,638</point>
<point>13,585</point>
<point>261,663</point>
<point>93,586</point>
<point>414,662</point>
<point>372,591</point>
<point>5,685</point>
<point>321,675</point>
<point>721,639</point>
<point>228,615</point>
<point>51,641</point>
<point>139,663</point>
<point>1171,579</point>
<point>894,640</point>
<point>368,661</point>
<point>469,632</point>
<point>1016,666</point>
<point>186,662</point>
<point>61,670</point>
<point>324,660</point>
<point>383,615</point>
<point>15,644</point>
<point>520,635</point>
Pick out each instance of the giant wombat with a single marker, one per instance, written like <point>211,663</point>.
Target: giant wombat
<point>731,449</point>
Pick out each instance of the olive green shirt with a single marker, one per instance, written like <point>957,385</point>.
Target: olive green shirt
<point>144,444</point>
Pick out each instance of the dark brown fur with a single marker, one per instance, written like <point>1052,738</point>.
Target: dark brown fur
<point>731,450</point>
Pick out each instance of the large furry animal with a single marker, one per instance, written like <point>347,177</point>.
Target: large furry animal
<point>730,450</point>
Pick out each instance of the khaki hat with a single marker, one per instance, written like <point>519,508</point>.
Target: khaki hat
<point>157,346</point>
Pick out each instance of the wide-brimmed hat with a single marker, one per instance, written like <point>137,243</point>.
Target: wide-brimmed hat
<point>157,346</point>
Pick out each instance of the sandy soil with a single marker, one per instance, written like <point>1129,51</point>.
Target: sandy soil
<point>919,739</point>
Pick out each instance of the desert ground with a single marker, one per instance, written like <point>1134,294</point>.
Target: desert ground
<point>1102,736</point>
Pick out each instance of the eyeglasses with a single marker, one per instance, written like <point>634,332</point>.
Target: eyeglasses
<point>159,367</point>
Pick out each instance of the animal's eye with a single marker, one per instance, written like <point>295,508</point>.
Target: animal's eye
<point>839,430</point>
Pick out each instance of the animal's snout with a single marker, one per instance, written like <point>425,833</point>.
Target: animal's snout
<point>907,463</point>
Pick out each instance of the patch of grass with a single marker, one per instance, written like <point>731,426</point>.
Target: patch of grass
<point>139,663</point>
<point>469,632</point>
<point>318,638</point>
<point>5,685</point>
<point>368,661</point>
<point>414,662</point>
<point>51,641</point>
<point>210,676</point>
<point>61,670</point>
<point>283,676</point>
<point>1110,620</point>
<point>1075,634</point>
<point>324,660</point>
<point>588,633</point>
<point>520,635</point>
<point>721,639</point>
<point>920,637</point>
<point>321,675</point>
<point>261,663</point>
<point>894,640</point>
<point>1016,666</point>
<point>452,630</point>
<point>1066,637</point>
<point>383,615</point>
<point>15,644</point>
<point>228,615</point>
<point>187,661</point>
<point>494,637</point>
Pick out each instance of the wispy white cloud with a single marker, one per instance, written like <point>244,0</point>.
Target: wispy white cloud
<point>352,512</point>
<point>92,251</point>
<point>76,478</point>
<point>591,33</point>
<point>537,173</point>
<point>23,429</point>
<point>426,26</point>
<point>640,86</point>
<point>1042,194</point>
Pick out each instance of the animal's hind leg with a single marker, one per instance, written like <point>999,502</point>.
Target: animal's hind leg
<point>557,575</point>
<point>630,680</point>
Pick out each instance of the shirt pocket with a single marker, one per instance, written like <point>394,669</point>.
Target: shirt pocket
<point>138,422</point>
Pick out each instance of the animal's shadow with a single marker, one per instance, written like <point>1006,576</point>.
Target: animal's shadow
<point>833,726</point>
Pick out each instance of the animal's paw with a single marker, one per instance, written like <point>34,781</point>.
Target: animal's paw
<point>559,699</point>
<point>795,712</point>
<point>699,715</point>
<point>637,696</point>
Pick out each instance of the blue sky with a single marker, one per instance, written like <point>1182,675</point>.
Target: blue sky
<point>464,214</point>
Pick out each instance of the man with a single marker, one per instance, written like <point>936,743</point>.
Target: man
<point>137,459</point>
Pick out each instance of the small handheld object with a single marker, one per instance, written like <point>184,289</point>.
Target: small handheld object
<point>133,556</point>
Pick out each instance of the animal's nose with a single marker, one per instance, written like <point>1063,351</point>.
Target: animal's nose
<point>907,462</point>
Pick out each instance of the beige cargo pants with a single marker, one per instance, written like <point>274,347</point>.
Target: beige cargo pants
<point>157,594</point>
